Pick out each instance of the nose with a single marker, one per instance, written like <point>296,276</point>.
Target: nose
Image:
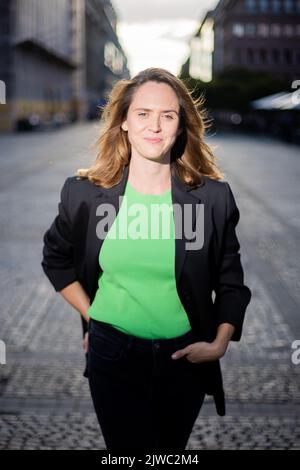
<point>154,125</point>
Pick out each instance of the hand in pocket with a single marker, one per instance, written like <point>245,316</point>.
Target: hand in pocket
<point>85,342</point>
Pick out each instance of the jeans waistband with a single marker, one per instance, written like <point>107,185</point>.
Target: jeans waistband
<point>181,341</point>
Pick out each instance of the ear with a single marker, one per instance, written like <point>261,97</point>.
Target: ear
<point>124,126</point>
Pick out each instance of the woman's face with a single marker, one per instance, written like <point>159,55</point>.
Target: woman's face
<point>152,121</point>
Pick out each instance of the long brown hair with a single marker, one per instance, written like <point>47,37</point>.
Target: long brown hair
<point>190,156</point>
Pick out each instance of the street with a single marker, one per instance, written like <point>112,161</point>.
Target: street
<point>44,399</point>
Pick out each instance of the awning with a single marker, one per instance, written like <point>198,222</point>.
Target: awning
<point>282,100</point>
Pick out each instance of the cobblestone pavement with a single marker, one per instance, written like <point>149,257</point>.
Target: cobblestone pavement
<point>44,399</point>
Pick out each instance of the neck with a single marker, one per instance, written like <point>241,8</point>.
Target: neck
<point>149,176</point>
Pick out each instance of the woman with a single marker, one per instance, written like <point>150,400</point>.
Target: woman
<point>152,334</point>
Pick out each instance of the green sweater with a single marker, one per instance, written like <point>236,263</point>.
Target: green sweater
<point>137,288</point>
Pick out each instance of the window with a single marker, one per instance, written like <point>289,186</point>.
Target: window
<point>275,30</point>
<point>238,29</point>
<point>250,29</point>
<point>237,56</point>
<point>263,29</point>
<point>262,55</point>
<point>288,6</point>
<point>250,5</point>
<point>275,56</point>
<point>288,56</point>
<point>275,6</point>
<point>263,5</point>
<point>250,56</point>
<point>288,30</point>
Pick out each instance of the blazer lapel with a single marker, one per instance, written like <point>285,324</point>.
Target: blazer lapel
<point>184,218</point>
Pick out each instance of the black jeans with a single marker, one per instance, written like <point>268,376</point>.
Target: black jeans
<point>144,399</point>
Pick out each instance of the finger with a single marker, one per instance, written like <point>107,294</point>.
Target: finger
<point>180,353</point>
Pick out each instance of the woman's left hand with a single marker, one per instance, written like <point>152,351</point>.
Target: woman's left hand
<point>201,351</point>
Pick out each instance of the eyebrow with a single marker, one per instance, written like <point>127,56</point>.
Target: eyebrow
<point>165,111</point>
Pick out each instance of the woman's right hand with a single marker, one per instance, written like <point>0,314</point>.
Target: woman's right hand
<point>85,342</point>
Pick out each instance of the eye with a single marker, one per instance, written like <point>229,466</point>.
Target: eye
<point>169,116</point>
<point>142,114</point>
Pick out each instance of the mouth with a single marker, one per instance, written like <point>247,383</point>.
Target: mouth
<point>153,140</point>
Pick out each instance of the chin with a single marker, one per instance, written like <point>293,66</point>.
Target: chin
<point>153,154</point>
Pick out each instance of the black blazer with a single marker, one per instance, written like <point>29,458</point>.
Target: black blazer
<point>209,280</point>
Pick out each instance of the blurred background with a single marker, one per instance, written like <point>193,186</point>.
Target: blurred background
<point>58,62</point>
<point>59,58</point>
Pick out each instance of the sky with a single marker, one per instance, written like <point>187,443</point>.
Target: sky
<point>156,33</point>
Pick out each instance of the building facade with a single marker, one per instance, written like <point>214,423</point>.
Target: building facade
<point>202,48</point>
<point>53,60</point>
<point>105,61</point>
<point>261,35</point>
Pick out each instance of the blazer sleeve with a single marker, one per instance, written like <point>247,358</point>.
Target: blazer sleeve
<point>58,262</point>
<point>232,295</point>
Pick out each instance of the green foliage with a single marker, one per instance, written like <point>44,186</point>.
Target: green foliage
<point>235,88</point>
